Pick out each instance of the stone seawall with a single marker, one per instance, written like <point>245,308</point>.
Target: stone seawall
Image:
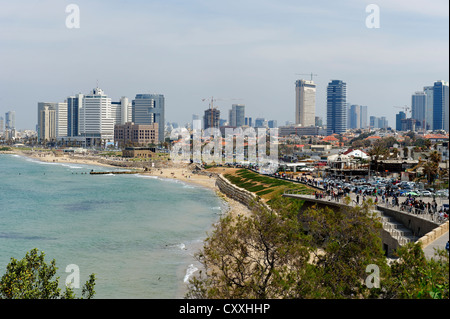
<point>434,234</point>
<point>236,193</point>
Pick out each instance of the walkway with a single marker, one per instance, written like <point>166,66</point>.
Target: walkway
<point>438,244</point>
<point>396,229</point>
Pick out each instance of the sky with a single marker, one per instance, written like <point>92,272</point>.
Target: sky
<point>248,52</point>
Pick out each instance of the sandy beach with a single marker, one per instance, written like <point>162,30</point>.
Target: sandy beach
<point>180,172</point>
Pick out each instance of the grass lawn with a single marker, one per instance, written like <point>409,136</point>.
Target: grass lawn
<point>264,186</point>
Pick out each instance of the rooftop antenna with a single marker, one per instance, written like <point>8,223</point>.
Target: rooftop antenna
<point>310,74</point>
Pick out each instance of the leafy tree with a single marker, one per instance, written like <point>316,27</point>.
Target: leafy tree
<point>32,278</point>
<point>251,257</point>
<point>347,241</point>
<point>279,254</point>
<point>378,151</point>
<point>415,277</point>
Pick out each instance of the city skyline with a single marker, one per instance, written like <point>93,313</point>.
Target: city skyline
<point>251,50</point>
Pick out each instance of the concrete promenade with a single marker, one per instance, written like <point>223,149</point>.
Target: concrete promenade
<point>429,249</point>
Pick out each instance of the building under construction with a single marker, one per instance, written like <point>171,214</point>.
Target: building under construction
<point>211,118</point>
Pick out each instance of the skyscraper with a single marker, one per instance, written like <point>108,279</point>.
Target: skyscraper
<point>398,120</point>
<point>46,121</point>
<point>74,104</point>
<point>2,125</point>
<point>10,124</point>
<point>211,119</point>
<point>363,116</point>
<point>418,106</point>
<point>61,119</point>
<point>428,90</point>
<point>237,115</point>
<point>10,120</point>
<point>122,111</point>
<point>355,116</point>
<point>336,107</point>
<point>305,102</point>
<point>440,106</point>
<point>149,109</point>
<point>96,121</point>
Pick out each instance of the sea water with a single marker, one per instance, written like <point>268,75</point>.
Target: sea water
<point>137,233</point>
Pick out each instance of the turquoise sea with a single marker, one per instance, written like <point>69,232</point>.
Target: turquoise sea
<point>137,233</point>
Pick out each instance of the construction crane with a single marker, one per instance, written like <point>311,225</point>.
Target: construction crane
<point>310,74</point>
<point>211,105</point>
<point>406,108</point>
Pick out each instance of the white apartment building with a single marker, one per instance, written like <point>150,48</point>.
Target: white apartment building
<point>96,119</point>
<point>305,103</point>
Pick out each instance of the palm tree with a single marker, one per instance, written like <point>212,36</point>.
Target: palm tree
<point>435,157</point>
<point>377,151</point>
<point>431,170</point>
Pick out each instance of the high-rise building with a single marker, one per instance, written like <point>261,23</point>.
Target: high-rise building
<point>149,109</point>
<point>373,122</point>
<point>2,125</point>
<point>122,111</point>
<point>378,122</point>
<point>260,122</point>
<point>440,106</point>
<point>410,124</point>
<point>61,119</point>
<point>47,121</point>
<point>318,121</point>
<point>428,90</point>
<point>248,121</point>
<point>52,120</point>
<point>211,119</point>
<point>74,104</point>
<point>237,115</point>
<point>354,116</point>
<point>196,122</point>
<point>398,120</point>
<point>336,107</point>
<point>96,121</point>
<point>272,124</point>
<point>418,107</point>
<point>305,102</point>
<point>363,116</point>
<point>10,120</point>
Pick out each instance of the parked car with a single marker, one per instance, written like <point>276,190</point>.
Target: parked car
<point>442,193</point>
<point>426,193</point>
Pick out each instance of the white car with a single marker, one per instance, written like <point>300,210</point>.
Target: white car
<point>442,193</point>
<point>426,193</point>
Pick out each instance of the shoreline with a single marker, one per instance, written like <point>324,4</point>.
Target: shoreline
<point>182,174</point>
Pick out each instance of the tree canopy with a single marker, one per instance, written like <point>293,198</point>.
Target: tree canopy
<point>310,254</point>
<point>32,278</point>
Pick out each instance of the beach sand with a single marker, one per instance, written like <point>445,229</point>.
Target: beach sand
<point>181,172</point>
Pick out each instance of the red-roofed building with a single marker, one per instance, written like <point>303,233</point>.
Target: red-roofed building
<point>436,137</point>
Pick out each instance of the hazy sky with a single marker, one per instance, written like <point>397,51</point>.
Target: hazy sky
<point>194,49</point>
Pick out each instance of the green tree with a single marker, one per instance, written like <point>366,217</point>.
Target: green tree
<point>251,257</point>
<point>378,151</point>
<point>415,277</point>
<point>32,278</point>
<point>320,253</point>
<point>346,242</point>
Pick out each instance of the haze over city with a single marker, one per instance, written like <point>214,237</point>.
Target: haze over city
<point>247,50</point>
